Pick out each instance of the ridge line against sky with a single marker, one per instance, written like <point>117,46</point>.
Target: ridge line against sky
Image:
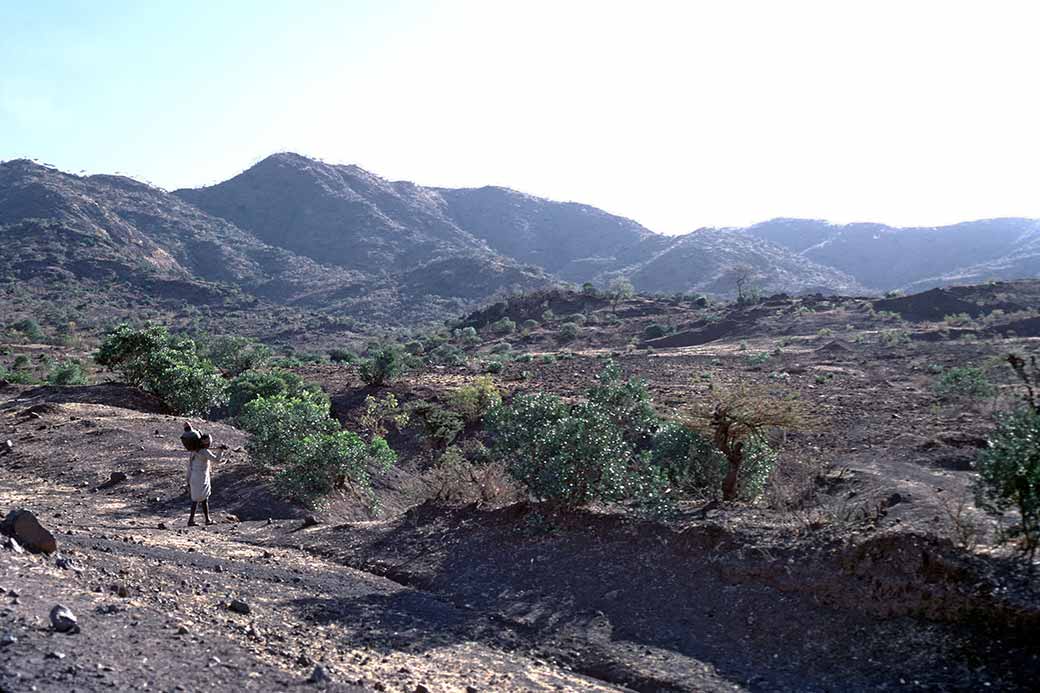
<point>677,115</point>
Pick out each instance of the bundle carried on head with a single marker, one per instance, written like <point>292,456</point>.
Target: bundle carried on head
<point>191,439</point>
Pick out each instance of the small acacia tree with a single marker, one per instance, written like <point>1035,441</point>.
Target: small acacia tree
<point>619,290</point>
<point>739,419</point>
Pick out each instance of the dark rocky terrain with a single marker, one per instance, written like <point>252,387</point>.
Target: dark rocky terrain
<point>864,566</point>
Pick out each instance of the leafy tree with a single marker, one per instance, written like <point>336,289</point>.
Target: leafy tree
<point>588,289</point>
<point>743,278</point>
<point>127,351</point>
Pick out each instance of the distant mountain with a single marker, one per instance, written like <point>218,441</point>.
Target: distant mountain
<point>314,243</point>
<point>699,262</point>
<point>90,234</point>
<point>346,216</point>
<point>883,257</point>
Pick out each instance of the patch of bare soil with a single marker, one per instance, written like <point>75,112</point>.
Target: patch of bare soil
<point>156,601</point>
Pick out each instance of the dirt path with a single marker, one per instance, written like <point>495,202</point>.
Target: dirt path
<point>153,603</point>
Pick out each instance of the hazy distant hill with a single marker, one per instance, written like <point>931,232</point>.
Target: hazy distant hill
<point>883,257</point>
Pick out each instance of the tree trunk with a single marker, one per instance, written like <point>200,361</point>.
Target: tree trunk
<point>735,457</point>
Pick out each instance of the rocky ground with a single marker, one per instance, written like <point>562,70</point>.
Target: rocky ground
<point>866,567</point>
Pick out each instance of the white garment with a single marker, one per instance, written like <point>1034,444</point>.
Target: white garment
<point>198,474</point>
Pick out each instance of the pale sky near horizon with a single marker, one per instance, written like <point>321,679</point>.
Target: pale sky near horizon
<point>676,114</point>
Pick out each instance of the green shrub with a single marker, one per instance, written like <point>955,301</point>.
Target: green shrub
<point>29,328</point>
<point>654,331</point>
<point>441,425</point>
<point>569,331</point>
<point>169,367</point>
<point>529,325</point>
<point>17,377</point>
<point>758,359</point>
<point>447,355</point>
<point>503,326</point>
<point>21,363</point>
<point>474,401</point>
<point>278,423</point>
<point>253,384</point>
<point>415,347</point>
<point>1009,475</point>
<point>626,402</point>
<point>571,455</point>
<point>965,381</point>
<point>68,373</point>
<point>468,335</point>
<point>696,467</point>
<point>384,365</point>
<point>235,355</point>
<point>342,356</point>
<point>323,462</point>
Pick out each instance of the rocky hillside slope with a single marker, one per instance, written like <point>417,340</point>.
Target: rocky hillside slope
<point>883,257</point>
<point>350,217</point>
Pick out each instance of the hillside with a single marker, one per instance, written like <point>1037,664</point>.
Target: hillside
<point>347,216</point>
<point>308,253</point>
<point>883,257</point>
<point>95,249</point>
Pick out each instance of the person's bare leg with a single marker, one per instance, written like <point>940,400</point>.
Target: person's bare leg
<point>205,511</point>
<point>191,519</point>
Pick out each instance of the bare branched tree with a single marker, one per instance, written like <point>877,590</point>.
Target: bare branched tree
<point>735,416</point>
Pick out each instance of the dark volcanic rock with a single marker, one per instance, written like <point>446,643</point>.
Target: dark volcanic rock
<point>23,526</point>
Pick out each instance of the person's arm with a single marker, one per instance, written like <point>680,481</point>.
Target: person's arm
<point>187,479</point>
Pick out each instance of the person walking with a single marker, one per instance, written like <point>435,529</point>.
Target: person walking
<point>199,469</point>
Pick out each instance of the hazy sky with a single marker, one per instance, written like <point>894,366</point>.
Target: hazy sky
<point>677,114</point>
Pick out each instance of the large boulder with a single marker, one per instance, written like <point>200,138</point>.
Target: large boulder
<point>23,526</point>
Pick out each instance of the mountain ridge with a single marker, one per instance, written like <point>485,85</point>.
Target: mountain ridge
<point>299,233</point>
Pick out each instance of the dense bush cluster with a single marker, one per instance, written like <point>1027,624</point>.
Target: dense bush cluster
<point>170,367</point>
<point>612,446</point>
<point>308,452</point>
